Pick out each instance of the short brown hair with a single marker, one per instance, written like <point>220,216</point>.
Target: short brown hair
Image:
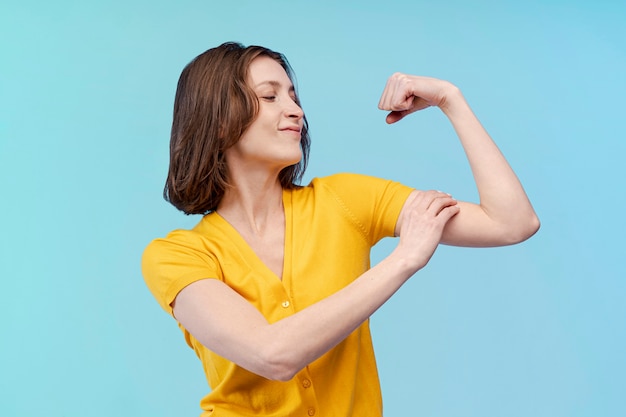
<point>213,107</point>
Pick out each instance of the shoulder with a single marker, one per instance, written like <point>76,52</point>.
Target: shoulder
<point>175,241</point>
<point>361,187</point>
<point>172,262</point>
<point>342,179</point>
<point>373,204</point>
<point>179,253</point>
<point>347,182</point>
<point>203,243</point>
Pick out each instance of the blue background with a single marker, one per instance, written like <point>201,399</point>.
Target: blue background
<point>86,94</point>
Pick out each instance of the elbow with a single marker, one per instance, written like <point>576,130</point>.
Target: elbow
<point>531,226</point>
<point>523,229</point>
<point>535,225</point>
<point>280,372</point>
<point>278,364</point>
<point>282,375</point>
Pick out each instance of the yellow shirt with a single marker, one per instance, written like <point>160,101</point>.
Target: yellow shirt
<point>330,227</point>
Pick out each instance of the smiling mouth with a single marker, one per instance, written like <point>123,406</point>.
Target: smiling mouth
<point>291,129</point>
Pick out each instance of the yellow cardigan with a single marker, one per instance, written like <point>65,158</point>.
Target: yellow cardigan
<point>330,227</point>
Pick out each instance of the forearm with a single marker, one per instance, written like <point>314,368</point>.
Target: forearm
<point>504,215</point>
<point>227,324</point>
<point>298,340</point>
<point>502,197</point>
<point>294,342</point>
<point>303,337</point>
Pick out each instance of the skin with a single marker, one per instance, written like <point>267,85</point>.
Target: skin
<point>504,215</point>
<point>271,143</point>
<point>231,327</point>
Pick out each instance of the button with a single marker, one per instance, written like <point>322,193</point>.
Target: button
<point>311,411</point>
<point>285,304</point>
<point>306,383</point>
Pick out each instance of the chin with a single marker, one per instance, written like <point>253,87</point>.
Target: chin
<point>293,158</point>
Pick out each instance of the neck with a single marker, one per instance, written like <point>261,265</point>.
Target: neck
<point>252,204</point>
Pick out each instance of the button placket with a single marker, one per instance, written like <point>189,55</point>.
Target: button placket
<point>308,392</point>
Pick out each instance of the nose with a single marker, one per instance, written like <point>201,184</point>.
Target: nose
<point>293,110</point>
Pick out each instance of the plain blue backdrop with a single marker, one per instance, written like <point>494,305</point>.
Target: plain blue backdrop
<point>86,93</point>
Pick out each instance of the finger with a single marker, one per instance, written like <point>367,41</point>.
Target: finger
<point>424,200</point>
<point>388,93</point>
<point>385,96</point>
<point>395,116</point>
<point>398,112</point>
<point>434,194</point>
<point>396,95</point>
<point>448,212</point>
<point>441,203</point>
<point>400,100</point>
<point>389,101</point>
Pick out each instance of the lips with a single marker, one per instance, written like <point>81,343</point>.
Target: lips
<point>296,129</point>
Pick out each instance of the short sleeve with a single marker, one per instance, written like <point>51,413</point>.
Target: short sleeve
<point>170,264</point>
<point>374,203</point>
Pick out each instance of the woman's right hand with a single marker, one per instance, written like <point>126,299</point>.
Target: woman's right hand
<point>420,226</point>
<point>226,323</point>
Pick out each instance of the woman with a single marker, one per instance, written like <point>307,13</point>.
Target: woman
<point>273,287</point>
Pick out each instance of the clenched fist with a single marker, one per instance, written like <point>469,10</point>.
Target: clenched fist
<point>405,94</point>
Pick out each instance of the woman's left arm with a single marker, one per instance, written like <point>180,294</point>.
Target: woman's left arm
<point>504,215</point>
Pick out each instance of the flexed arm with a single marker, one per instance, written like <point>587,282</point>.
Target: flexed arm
<point>504,214</point>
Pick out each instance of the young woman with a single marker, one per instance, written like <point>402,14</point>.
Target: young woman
<point>273,287</point>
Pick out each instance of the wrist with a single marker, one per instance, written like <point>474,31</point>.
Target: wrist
<point>403,264</point>
<point>453,102</point>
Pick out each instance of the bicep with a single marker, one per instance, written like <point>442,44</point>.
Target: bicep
<point>471,227</point>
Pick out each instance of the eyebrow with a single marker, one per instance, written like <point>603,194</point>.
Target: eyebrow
<point>275,84</point>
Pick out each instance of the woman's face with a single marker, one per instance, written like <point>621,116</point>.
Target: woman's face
<point>272,142</point>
